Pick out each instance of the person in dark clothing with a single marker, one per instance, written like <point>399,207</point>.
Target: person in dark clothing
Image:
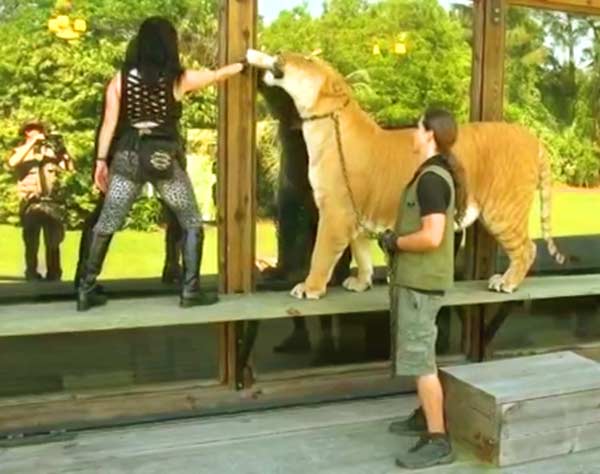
<point>421,250</point>
<point>173,235</point>
<point>38,162</point>
<point>146,95</point>
<point>297,220</point>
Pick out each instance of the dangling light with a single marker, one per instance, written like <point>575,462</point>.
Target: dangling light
<point>80,25</point>
<point>63,26</point>
<point>63,22</point>
<point>400,46</point>
<point>53,25</point>
<point>67,34</point>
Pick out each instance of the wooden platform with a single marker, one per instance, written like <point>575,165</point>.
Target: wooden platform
<point>527,408</point>
<point>339,438</point>
<point>61,317</point>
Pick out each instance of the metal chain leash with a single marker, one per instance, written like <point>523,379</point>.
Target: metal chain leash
<point>335,117</point>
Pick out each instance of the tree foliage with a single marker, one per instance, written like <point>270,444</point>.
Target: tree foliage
<point>62,82</point>
<point>395,88</point>
<point>552,80</point>
<point>552,74</point>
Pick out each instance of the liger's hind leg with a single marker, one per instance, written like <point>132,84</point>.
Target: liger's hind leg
<point>508,223</point>
<point>332,240</point>
<point>521,252</point>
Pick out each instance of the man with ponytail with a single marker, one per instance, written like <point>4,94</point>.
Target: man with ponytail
<point>421,250</point>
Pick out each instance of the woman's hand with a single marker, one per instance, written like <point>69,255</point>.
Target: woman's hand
<point>101,176</point>
<point>229,70</point>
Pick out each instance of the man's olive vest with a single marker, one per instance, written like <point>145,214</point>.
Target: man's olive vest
<point>432,270</point>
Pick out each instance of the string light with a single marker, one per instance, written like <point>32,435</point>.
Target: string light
<point>398,46</point>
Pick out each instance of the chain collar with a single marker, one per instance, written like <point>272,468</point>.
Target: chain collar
<point>312,118</point>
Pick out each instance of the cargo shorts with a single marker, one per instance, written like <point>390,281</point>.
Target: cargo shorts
<point>413,330</point>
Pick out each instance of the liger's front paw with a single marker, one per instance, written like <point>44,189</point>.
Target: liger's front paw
<point>355,284</point>
<point>498,283</point>
<point>301,292</point>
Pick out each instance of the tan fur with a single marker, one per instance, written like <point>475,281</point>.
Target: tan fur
<point>504,165</point>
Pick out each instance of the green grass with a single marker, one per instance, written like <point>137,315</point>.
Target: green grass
<point>136,254</point>
<point>132,254</point>
<point>574,212</point>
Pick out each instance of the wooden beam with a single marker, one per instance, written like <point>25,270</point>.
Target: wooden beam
<point>47,290</point>
<point>492,96</point>
<point>237,158</point>
<point>477,59</point>
<point>237,168</point>
<point>591,7</point>
<point>37,414</point>
<point>37,319</point>
<point>591,350</point>
<point>488,71</point>
<point>470,325</point>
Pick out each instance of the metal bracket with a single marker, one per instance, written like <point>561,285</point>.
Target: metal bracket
<point>496,6</point>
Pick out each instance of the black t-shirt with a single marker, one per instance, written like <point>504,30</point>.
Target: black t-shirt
<point>433,192</point>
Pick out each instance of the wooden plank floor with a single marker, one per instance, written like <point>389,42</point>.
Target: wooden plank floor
<point>60,317</point>
<point>344,438</point>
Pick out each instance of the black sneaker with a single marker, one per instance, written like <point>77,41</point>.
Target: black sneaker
<point>414,425</point>
<point>296,343</point>
<point>431,450</point>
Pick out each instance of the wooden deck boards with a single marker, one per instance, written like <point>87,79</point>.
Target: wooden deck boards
<point>348,438</point>
<point>61,317</point>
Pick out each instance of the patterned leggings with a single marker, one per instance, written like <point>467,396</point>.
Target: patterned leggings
<point>176,192</point>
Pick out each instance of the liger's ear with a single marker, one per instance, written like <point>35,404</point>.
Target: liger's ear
<point>333,87</point>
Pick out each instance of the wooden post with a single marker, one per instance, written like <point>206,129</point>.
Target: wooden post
<point>591,7</point>
<point>236,164</point>
<point>492,96</point>
<point>487,99</point>
<point>236,150</point>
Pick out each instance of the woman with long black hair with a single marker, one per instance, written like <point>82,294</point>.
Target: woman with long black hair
<point>173,233</point>
<point>144,98</point>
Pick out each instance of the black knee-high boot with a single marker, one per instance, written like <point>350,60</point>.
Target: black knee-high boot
<point>84,245</point>
<point>87,235</point>
<point>173,236</point>
<point>87,293</point>
<point>191,295</point>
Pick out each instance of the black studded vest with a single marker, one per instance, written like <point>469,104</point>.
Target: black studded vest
<point>152,106</point>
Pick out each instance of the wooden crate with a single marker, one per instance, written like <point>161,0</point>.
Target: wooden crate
<point>527,408</point>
